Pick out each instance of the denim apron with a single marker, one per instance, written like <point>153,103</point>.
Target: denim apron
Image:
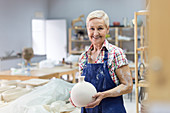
<point>98,75</point>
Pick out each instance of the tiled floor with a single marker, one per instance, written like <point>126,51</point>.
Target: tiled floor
<point>130,105</point>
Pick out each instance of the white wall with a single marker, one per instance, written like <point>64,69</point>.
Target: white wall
<point>116,9</point>
<point>15,23</point>
<point>56,41</point>
<point>16,16</point>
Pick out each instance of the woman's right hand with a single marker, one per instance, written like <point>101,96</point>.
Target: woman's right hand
<point>98,98</point>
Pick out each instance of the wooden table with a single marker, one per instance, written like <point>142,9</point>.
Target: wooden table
<point>44,73</point>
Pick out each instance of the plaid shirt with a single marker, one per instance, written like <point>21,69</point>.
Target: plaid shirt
<point>116,59</point>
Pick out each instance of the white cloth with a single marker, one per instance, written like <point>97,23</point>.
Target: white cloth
<point>33,102</point>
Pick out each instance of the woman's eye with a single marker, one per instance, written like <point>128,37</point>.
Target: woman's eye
<point>91,28</point>
<point>100,28</point>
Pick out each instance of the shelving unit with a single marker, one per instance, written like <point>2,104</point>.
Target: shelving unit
<point>124,43</point>
<point>71,41</point>
<point>86,42</point>
<point>114,39</point>
<point>138,49</point>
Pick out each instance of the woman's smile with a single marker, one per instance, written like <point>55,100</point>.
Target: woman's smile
<point>97,31</point>
<point>96,37</point>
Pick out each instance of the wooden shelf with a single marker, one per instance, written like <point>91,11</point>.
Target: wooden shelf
<point>143,84</point>
<point>142,12</point>
<point>143,59</point>
<point>80,40</point>
<point>120,27</point>
<point>76,52</point>
<point>125,40</point>
<point>130,52</point>
<point>142,48</point>
<point>111,40</point>
<point>79,28</point>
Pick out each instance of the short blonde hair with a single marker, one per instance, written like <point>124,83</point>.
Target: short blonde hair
<point>98,14</point>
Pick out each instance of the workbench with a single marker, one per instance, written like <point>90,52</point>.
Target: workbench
<point>43,73</point>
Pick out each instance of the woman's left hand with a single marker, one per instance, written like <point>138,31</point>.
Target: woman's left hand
<point>98,97</point>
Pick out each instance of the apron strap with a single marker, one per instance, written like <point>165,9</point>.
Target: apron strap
<point>105,56</point>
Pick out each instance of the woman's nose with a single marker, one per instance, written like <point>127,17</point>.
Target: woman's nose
<point>96,33</point>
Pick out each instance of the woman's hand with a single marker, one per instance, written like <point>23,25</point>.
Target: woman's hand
<point>98,97</point>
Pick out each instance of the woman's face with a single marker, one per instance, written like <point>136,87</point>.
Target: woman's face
<point>97,31</point>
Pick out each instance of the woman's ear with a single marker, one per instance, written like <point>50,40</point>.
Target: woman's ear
<point>108,30</point>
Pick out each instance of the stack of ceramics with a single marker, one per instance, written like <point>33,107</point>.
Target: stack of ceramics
<point>31,83</point>
<point>13,94</point>
<point>9,82</point>
<point>11,90</point>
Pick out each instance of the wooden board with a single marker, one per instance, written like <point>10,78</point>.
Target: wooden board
<point>44,73</point>
<point>159,40</point>
<point>35,82</point>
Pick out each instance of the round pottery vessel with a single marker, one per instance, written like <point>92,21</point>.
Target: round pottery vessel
<point>82,92</point>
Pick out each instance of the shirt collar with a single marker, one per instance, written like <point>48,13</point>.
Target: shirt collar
<point>105,45</point>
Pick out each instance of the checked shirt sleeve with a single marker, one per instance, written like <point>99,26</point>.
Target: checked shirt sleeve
<point>119,58</point>
<point>82,62</point>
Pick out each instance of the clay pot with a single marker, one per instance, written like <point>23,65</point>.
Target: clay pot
<point>116,23</point>
<point>82,92</point>
<point>27,54</point>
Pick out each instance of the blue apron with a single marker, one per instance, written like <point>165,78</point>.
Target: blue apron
<point>98,75</point>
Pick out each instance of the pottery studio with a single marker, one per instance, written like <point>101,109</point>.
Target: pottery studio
<point>84,56</point>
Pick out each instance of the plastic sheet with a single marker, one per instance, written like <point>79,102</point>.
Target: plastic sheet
<point>62,107</point>
<point>33,102</point>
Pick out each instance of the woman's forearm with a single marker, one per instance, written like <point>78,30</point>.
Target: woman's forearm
<point>117,91</point>
<point>126,85</point>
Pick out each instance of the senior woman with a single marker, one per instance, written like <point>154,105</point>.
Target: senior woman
<point>105,66</point>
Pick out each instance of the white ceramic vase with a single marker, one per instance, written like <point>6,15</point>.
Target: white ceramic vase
<point>82,92</point>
